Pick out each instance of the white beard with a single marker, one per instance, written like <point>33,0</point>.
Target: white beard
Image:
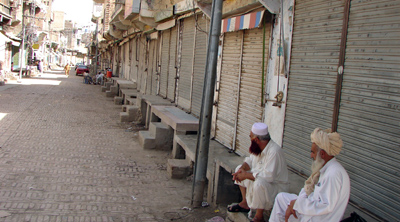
<point>317,164</point>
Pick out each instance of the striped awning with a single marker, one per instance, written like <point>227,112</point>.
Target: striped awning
<point>247,21</point>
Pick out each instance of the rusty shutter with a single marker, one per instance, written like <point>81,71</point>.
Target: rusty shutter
<point>172,64</point>
<point>369,111</point>
<point>317,31</point>
<point>186,63</point>
<point>250,96</point>
<point>165,57</point>
<point>228,88</point>
<point>200,56</point>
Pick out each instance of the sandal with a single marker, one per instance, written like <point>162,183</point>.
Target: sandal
<point>237,208</point>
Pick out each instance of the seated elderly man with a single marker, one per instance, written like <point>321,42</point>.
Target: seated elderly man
<point>262,175</point>
<point>326,192</point>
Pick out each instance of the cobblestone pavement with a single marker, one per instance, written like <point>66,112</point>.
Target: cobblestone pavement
<point>64,156</point>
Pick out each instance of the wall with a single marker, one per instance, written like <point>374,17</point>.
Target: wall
<point>275,116</point>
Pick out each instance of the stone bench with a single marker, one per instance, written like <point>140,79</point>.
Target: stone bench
<point>145,102</point>
<point>172,120</point>
<point>127,94</point>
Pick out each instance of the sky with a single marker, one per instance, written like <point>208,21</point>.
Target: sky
<point>79,11</point>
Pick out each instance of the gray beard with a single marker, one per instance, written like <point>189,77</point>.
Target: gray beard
<point>317,164</point>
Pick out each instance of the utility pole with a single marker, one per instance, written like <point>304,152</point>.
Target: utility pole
<point>22,46</point>
<point>203,139</point>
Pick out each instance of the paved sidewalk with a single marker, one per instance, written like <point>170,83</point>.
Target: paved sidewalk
<point>64,156</point>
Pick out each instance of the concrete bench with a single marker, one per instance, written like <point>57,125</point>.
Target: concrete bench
<point>145,102</point>
<point>173,120</point>
<point>221,164</point>
<point>128,94</point>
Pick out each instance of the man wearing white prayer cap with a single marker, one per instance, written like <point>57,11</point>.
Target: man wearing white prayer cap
<point>326,192</point>
<point>262,175</point>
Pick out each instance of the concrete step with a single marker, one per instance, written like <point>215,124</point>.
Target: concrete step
<point>118,100</point>
<point>159,128</point>
<point>114,89</point>
<point>178,168</point>
<point>124,117</point>
<point>108,85</point>
<point>103,88</point>
<point>110,94</point>
<point>147,140</point>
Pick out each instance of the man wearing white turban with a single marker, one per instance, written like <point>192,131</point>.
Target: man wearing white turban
<point>262,175</point>
<point>326,192</point>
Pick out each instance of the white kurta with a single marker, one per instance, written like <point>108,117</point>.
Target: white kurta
<point>271,177</point>
<point>328,201</point>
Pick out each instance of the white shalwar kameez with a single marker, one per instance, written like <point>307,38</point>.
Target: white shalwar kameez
<point>271,177</point>
<point>327,203</point>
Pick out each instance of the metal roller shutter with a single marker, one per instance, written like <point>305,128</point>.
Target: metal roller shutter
<point>126,61</point>
<point>172,65</point>
<point>154,64</point>
<point>317,31</point>
<point>200,57</point>
<point>250,105</point>
<point>186,63</point>
<point>143,63</point>
<point>228,88</point>
<point>369,111</point>
<point>165,57</point>
<point>150,66</point>
<point>133,60</point>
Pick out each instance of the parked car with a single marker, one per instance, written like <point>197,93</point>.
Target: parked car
<point>78,64</point>
<point>81,69</point>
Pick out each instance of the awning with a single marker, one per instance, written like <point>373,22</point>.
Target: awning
<point>6,38</point>
<point>247,21</point>
<point>166,25</point>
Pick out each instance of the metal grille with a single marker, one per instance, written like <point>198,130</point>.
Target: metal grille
<point>172,65</point>
<point>315,54</point>
<point>228,88</point>
<point>186,66</point>
<point>370,106</point>
<point>250,109</point>
<point>165,57</point>
<point>200,57</point>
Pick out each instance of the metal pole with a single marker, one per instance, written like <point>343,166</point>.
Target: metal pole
<point>22,46</point>
<point>97,47</point>
<point>203,140</point>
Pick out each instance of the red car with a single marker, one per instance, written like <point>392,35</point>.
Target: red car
<point>81,69</point>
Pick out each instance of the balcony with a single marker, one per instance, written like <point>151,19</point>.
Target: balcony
<point>5,12</point>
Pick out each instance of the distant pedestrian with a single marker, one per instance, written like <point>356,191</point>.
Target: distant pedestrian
<point>40,67</point>
<point>67,68</point>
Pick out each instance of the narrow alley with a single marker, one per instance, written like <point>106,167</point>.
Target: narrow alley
<point>65,157</point>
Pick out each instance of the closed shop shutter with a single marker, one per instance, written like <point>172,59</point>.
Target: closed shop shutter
<point>317,31</point>
<point>165,57</point>
<point>151,69</point>
<point>143,63</point>
<point>133,60</point>
<point>172,64</point>
<point>200,56</point>
<point>154,64</point>
<point>369,111</point>
<point>126,61</point>
<point>186,63</point>
<point>250,104</point>
<point>228,88</point>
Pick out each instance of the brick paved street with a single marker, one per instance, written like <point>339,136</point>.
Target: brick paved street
<point>65,157</point>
